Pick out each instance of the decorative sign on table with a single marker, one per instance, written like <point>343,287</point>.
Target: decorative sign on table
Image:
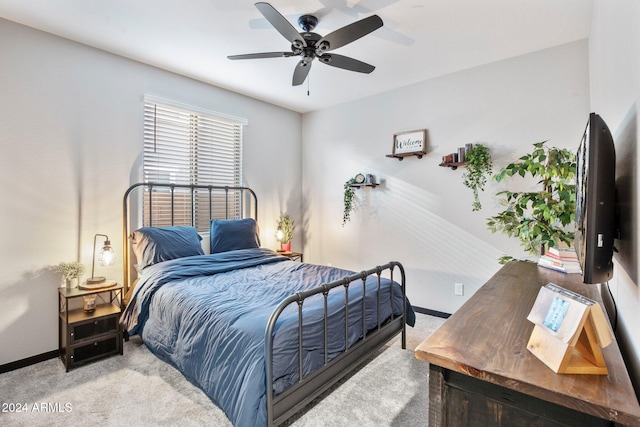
<point>569,332</point>
<point>410,143</point>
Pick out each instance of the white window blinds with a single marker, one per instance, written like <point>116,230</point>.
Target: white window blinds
<point>186,145</point>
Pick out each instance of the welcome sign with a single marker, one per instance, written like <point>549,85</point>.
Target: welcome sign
<point>411,142</point>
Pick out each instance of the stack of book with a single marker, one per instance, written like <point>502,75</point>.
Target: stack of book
<point>561,259</point>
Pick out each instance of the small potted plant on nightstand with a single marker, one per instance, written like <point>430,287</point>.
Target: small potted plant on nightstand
<point>70,271</point>
<point>286,226</point>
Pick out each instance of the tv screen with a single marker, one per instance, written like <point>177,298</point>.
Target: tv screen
<point>595,201</point>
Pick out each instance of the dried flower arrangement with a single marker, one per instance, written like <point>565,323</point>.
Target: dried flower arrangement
<point>70,270</point>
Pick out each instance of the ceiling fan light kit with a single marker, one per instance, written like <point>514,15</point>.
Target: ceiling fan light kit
<point>311,45</point>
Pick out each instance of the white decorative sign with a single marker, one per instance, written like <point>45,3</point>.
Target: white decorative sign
<point>412,142</point>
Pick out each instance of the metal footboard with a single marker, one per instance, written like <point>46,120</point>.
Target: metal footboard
<point>287,403</point>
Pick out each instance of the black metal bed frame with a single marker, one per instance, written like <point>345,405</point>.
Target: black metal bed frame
<point>294,398</point>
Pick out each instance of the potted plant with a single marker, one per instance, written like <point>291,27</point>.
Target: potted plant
<point>70,271</point>
<point>349,196</point>
<point>540,219</point>
<point>286,226</point>
<point>478,167</point>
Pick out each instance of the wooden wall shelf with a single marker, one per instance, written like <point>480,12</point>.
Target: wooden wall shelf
<point>452,165</point>
<point>401,156</point>
<point>364,185</point>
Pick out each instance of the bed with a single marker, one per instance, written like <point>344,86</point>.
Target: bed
<point>260,334</point>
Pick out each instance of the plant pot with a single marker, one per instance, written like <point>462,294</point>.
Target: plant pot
<point>285,247</point>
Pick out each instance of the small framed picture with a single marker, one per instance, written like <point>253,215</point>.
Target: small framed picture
<point>411,142</point>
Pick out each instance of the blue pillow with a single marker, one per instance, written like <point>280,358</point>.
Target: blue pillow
<point>152,245</point>
<point>233,234</point>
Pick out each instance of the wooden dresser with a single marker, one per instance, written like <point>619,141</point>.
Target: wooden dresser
<point>481,373</point>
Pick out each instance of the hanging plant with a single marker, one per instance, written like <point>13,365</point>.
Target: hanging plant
<point>349,198</point>
<point>478,167</point>
<point>540,219</point>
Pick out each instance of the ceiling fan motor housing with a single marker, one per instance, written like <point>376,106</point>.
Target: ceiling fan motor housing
<point>311,50</point>
<point>308,23</point>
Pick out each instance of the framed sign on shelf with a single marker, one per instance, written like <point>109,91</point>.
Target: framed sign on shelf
<point>410,143</point>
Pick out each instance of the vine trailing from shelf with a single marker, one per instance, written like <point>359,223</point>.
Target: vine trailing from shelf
<point>349,199</point>
<point>540,219</point>
<point>479,166</point>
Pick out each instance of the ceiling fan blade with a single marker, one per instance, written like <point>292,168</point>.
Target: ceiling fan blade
<point>301,72</point>
<point>281,24</point>
<point>349,33</point>
<point>346,63</point>
<point>262,55</point>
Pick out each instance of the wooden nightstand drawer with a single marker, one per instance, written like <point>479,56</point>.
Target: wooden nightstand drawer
<point>92,328</point>
<point>95,350</point>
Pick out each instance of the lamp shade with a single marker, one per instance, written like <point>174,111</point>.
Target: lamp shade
<point>106,258</point>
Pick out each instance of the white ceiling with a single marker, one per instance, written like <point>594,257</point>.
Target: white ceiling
<point>420,39</point>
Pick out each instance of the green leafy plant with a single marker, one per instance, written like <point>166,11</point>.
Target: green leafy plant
<point>540,219</point>
<point>287,226</point>
<point>349,198</point>
<point>478,167</point>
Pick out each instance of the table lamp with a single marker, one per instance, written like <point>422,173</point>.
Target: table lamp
<point>106,258</point>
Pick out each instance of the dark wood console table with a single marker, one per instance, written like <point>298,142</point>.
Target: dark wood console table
<point>481,373</point>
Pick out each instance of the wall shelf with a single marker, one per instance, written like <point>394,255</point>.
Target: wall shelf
<point>401,156</point>
<point>364,185</point>
<point>452,165</point>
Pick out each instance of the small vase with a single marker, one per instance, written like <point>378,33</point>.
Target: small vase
<point>285,247</point>
<point>70,283</point>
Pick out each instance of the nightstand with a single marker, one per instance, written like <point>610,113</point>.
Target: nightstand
<point>293,256</point>
<point>84,337</point>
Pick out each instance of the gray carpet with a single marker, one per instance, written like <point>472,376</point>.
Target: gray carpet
<point>139,389</point>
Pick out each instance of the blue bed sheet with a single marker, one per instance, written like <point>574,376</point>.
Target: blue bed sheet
<point>207,316</point>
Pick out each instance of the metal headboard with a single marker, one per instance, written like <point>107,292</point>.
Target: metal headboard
<point>247,197</point>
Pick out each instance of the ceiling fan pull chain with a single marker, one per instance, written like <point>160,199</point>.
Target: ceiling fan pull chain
<point>308,84</point>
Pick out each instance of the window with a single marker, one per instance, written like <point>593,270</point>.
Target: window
<point>187,145</point>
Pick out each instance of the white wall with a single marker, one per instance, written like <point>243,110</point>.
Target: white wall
<point>614,52</point>
<point>71,144</point>
<point>421,214</point>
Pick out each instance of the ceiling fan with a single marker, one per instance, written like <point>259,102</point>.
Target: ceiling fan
<point>311,45</point>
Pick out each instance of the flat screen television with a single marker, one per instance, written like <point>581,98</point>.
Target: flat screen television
<point>595,201</point>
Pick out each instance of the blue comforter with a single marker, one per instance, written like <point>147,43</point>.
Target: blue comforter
<point>207,316</point>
